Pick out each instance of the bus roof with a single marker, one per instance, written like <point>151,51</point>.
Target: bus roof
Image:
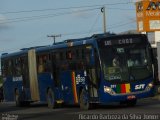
<point>57,45</point>
<point>101,36</point>
<point>68,43</point>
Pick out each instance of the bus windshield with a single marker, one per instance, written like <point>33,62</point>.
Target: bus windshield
<point>126,63</point>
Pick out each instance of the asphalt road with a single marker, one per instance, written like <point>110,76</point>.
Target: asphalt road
<point>145,109</point>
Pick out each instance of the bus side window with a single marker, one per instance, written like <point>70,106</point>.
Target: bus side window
<point>4,68</point>
<point>79,61</point>
<point>70,56</point>
<point>9,66</point>
<point>56,68</point>
<point>25,70</point>
<point>83,54</point>
<point>44,63</point>
<point>77,54</point>
<point>63,64</point>
<point>40,65</point>
<point>61,55</point>
<point>17,66</point>
<point>87,57</point>
<point>47,63</point>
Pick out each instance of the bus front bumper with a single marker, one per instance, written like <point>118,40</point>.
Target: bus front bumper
<point>108,98</point>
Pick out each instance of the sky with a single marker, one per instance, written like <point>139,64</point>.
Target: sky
<point>26,23</point>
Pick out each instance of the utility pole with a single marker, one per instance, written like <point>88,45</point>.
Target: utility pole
<point>54,37</point>
<point>104,18</point>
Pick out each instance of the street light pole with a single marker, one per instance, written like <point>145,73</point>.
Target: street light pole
<point>104,18</point>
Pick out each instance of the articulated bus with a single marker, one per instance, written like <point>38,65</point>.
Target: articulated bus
<point>99,69</point>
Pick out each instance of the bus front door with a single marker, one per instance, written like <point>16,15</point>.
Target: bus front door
<point>92,70</point>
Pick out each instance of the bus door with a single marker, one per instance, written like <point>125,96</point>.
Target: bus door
<point>56,75</point>
<point>66,81</point>
<point>25,74</point>
<point>66,74</point>
<point>92,71</point>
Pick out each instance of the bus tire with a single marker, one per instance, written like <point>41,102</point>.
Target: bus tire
<point>84,100</point>
<point>51,99</point>
<point>131,103</point>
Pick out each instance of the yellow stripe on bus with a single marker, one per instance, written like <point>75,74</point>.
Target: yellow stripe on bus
<point>128,88</point>
<point>74,88</point>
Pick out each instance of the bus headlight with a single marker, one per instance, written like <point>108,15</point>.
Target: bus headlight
<point>149,86</point>
<point>109,90</point>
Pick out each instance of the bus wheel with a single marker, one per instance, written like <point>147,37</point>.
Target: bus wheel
<point>17,99</point>
<point>50,99</point>
<point>131,103</point>
<point>84,101</point>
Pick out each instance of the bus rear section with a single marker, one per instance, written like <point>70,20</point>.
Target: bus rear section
<point>15,76</point>
<point>126,69</point>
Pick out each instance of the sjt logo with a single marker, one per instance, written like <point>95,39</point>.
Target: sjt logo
<point>138,87</point>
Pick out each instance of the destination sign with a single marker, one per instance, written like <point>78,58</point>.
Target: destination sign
<point>120,41</point>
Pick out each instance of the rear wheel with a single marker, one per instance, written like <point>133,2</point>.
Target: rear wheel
<point>51,99</point>
<point>84,100</point>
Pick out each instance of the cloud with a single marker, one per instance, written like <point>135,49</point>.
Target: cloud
<point>6,39</point>
<point>3,20</point>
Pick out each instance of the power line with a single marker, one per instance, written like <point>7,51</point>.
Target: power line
<point>97,18</point>
<point>83,10</point>
<point>121,9</point>
<point>45,16</point>
<point>51,15</point>
<point>21,19</point>
<point>121,25</point>
<point>98,30</point>
<point>23,45</point>
<point>64,8</point>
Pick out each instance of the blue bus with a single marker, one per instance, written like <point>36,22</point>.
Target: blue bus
<point>98,69</point>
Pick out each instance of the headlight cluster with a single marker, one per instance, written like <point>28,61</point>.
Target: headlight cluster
<point>149,86</point>
<point>109,90</point>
